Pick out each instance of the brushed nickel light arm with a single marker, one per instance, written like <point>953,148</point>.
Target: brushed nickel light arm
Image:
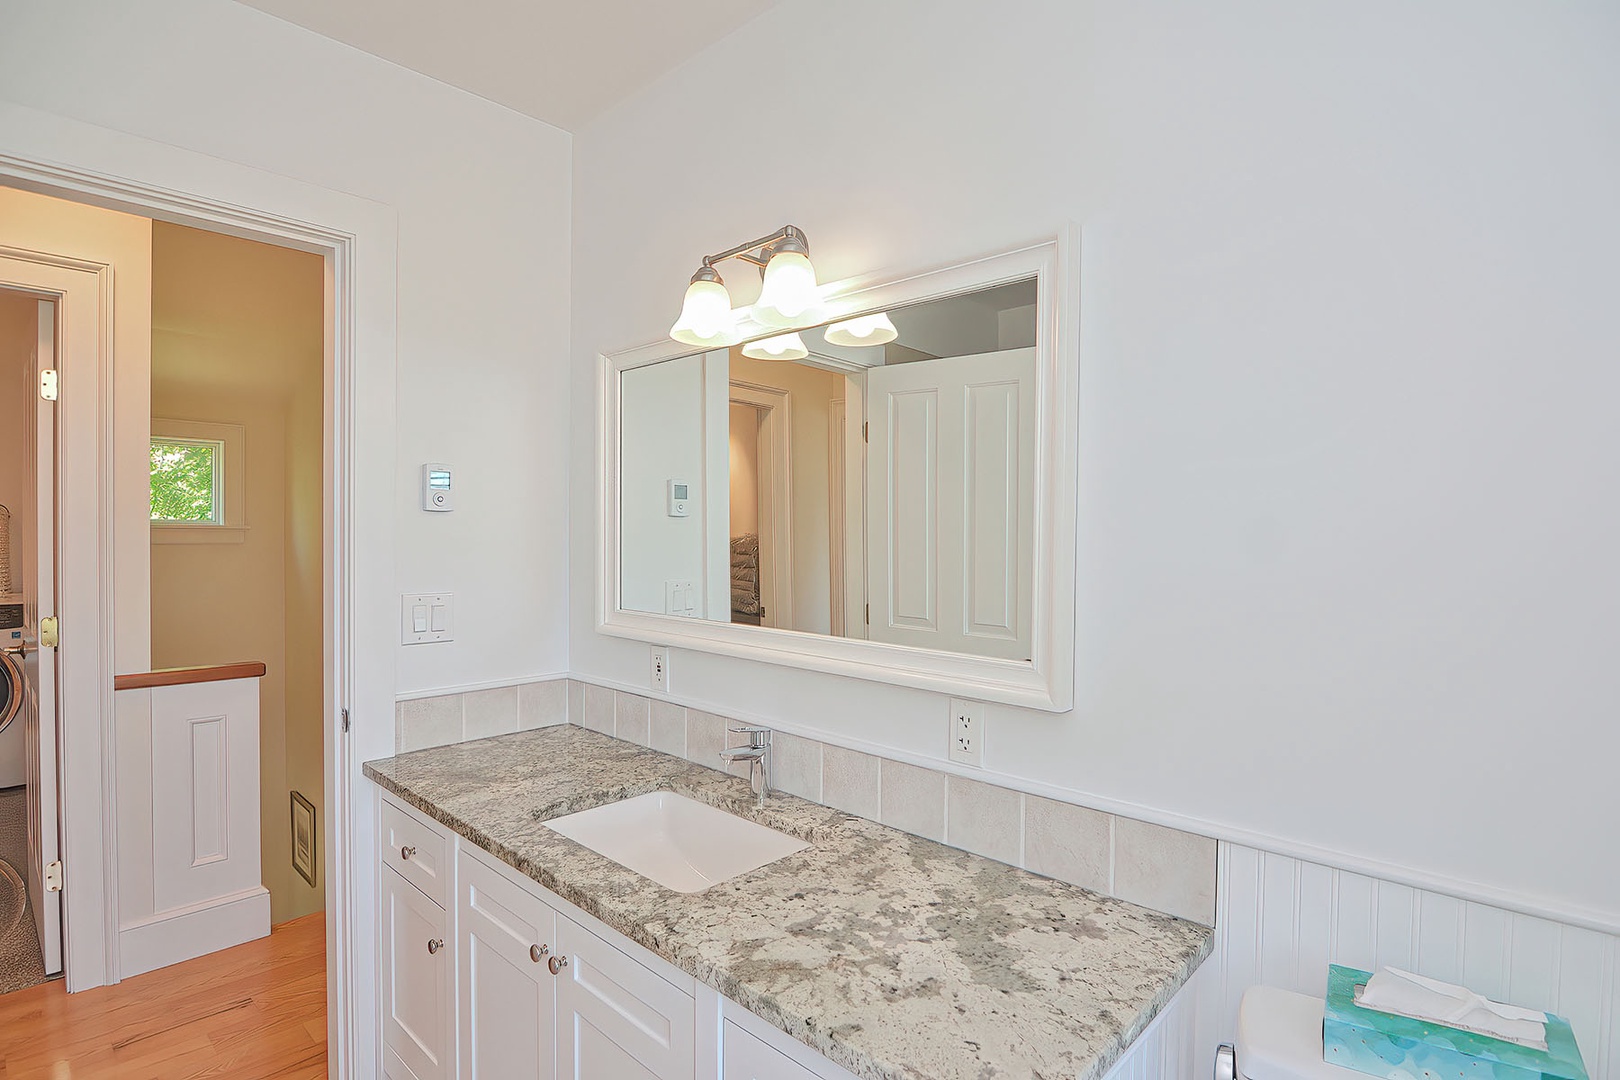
<point>787,238</point>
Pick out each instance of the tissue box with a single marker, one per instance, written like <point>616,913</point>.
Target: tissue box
<point>1400,1048</point>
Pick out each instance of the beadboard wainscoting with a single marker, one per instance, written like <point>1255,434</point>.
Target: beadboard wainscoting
<point>1282,921</point>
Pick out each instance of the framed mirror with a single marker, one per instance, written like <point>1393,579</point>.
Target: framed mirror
<point>887,494</point>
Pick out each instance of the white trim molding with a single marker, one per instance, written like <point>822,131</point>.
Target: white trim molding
<point>358,238</point>
<point>1046,680</point>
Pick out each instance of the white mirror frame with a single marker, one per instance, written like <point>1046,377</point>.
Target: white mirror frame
<point>1047,681</point>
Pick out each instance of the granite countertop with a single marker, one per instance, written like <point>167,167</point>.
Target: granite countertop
<point>893,955</point>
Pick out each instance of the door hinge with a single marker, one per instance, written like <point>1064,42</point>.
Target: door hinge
<point>345,721</point>
<point>866,433</point>
<point>868,614</point>
<point>49,638</point>
<point>53,876</point>
<point>47,384</point>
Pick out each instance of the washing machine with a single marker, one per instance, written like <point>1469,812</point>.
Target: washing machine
<point>13,763</point>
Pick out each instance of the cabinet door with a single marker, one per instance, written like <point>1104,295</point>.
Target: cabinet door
<point>506,937</point>
<point>617,1019</point>
<point>748,1058</point>
<point>415,983</point>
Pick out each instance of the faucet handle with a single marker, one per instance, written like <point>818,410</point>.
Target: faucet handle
<point>758,737</point>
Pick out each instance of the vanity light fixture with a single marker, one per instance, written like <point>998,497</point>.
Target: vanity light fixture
<point>787,296</point>
<point>875,329</point>
<point>706,318</point>
<point>781,347</point>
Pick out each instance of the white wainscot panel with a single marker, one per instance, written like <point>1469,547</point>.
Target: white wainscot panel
<point>196,827</point>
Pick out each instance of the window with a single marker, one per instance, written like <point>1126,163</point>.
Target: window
<point>188,481</point>
<point>196,476</point>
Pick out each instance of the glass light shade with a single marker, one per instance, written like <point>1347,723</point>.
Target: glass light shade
<point>706,318</point>
<point>782,347</point>
<point>788,295</point>
<point>866,330</point>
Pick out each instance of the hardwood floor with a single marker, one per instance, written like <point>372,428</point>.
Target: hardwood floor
<point>249,1013</point>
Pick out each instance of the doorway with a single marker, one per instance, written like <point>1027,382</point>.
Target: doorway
<point>30,901</point>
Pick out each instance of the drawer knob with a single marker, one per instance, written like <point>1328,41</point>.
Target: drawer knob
<point>407,851</point>
<point>538,953</point>
<point>557,963</point>
<point>435,944</point>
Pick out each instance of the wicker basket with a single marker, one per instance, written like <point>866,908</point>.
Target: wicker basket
<point>5,550</point>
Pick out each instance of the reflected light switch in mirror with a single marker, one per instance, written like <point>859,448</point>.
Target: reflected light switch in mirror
<point>426,617</point>
<point>680,598</point>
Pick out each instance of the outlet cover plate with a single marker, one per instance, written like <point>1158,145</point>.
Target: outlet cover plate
<point>967,732</point>
<point>658,669</point>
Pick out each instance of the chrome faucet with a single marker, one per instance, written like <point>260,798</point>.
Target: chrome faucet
<point>758,755</point>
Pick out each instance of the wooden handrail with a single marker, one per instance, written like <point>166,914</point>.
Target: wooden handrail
<point>248,669</point>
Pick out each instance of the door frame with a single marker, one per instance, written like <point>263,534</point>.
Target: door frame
<point>774,458</point>
<point>357,238</point>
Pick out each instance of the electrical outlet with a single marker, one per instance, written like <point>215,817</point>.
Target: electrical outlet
<point>660,669</point>
<point>967,732</point>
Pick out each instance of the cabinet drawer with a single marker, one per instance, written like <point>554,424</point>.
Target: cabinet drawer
<point>416,971</point>
<point>748,1058</point>
<point>417,851</point>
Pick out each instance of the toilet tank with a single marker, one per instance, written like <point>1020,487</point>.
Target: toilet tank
<point>1280,1037</point>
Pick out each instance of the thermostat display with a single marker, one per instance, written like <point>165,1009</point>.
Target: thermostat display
<point>436,487</point>
<point>679,498</point>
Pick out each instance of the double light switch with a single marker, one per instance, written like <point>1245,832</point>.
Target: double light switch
<point>426,617</point>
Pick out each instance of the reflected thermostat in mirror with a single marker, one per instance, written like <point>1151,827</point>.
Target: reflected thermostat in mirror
<point>436,477</point>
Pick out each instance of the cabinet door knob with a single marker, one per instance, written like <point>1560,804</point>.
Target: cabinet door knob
<point>538,953</point>
<point>407,851</point>
<point>435,944</point>
<point>557,963</point>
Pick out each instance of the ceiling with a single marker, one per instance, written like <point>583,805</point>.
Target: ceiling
<point>563,63</point>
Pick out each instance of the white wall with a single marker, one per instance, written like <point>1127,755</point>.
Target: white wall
<point>663,440</point>
<point>1346,548</point>
<point>481,195</point>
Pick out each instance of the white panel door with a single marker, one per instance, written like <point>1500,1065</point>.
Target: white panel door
<point>415,970</point>
<point>951,503</point>
<point>41,730</point>
<point>617,1019</point>
<point>507,993</point>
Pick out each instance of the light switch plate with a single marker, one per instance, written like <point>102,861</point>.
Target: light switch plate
<point>434,612</point>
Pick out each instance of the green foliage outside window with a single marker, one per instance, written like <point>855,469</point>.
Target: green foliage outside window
<point>183,481</point>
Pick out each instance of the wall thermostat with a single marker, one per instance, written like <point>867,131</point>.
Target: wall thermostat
<point>680,499</point>
<point>436,487</point>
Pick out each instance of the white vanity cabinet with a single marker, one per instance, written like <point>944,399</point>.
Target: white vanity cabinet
<point>416,983</point>
<point>507,993</point>
<point>506,981</point>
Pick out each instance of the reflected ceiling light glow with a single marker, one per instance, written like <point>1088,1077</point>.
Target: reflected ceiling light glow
<point>875,329</point>
<point>781,347</point>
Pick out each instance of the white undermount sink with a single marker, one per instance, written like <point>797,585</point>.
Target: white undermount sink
<point>678,842</point>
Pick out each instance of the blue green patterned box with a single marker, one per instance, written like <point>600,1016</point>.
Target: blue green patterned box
<point>1400,1048</point>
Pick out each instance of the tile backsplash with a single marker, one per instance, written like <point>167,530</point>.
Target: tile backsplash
<point>1160,868</point>
<point>478,714</point>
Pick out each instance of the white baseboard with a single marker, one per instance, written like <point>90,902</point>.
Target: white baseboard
<point>196,930</point>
